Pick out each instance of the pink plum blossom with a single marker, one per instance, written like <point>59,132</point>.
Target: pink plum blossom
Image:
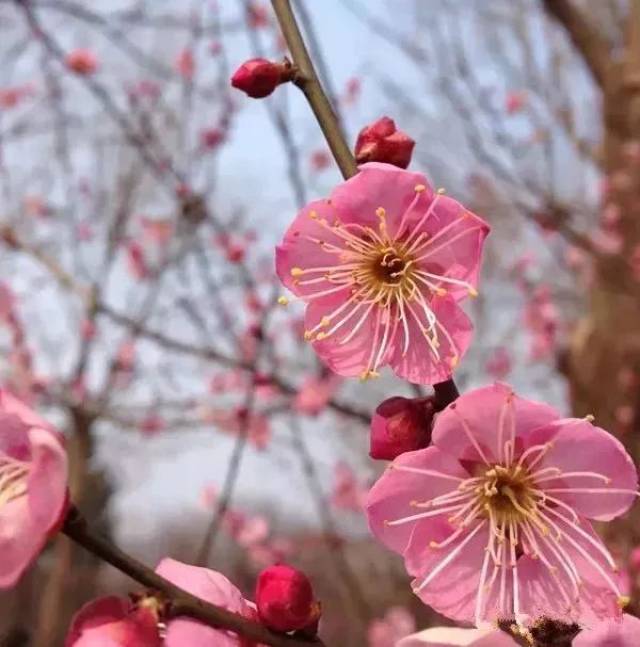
<point>33,486</point>
<point>387,631</point>
<point>382,265</point>
<point>493,518</point>
<point>625,633</point>
<point>113,622</point>
<point>455,637</point>
<point>82,61</point>
<point>212,587</point>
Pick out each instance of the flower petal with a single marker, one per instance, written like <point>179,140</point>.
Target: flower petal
<point>390,498</point>
<point>419,364</point>
<point>480,411</point>
<point>381,185</point>
<point>457,252</point>
<point>611,634</point>
<point>578,446</point>
<point>456,637</point>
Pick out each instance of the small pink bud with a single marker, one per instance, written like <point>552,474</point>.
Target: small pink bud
<point>382,142</point>
<point>401,425</point>
<point>258,77</point>
<point>82,61</point>
<point>285,600</point>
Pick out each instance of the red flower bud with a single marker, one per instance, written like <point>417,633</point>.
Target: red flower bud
<point>401,425</point>
<point>382,142</point>
<point>258,77</point>
<point>285,601</point>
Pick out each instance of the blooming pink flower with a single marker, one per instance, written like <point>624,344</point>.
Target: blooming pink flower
<point>454,637</point>
<point>33,486</point>
<point>611,634</point>
<point>492,519</point>
<point>212,587</point>
<point>381,141</point>
<point>400,425</point>
<point>382,265</point>
<point>113,622</point>
<point>285,600</point>
<point>82,61</point>
<point>386,632</point>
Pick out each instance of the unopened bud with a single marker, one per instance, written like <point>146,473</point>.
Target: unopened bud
<point>382,142</point>
<point>259,77</point>
<point>401,425</point>
<point>285,600</point>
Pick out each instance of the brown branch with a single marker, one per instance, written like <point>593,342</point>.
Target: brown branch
<point>181,602</point>
<point>307,80</point>
<point>589,42</point>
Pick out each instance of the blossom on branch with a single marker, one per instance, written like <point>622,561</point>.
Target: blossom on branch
<point>382,265</point>
<point>259,77</point>
<point>33,486</point>
<point>209,586</point>
<point>114,622</point>
<point>82,61</point>
<point>492,519</point>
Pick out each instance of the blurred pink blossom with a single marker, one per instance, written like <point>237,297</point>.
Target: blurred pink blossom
<point>315,392</point>
<point>82,61</point>
<point>185,64</point>
<point>348,493</point>
<point>387,631</point>
<point>499,363</point>
<point>515,101</point>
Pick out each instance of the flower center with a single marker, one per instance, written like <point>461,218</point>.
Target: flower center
<point>390,267</point>
<point>13,479</point>
<point>507,495</point>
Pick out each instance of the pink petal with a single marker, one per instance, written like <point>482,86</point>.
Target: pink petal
<point>578,446</point>
<point>611,634</point>
<point>455,637</point>
<point>459,259</point>
<point>348,359</point>
<point>210,586</point>
<point>418,364</point>
<point>541,596</point>
<point>391,496</point>
<point>454,590</point>
<point>381,185</point>
<point>480,409</point>
<point>297,251</point>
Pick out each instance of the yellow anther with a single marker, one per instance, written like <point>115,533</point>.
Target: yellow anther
<point>283,301</point>
<point>307,335</point>
<point>313,214</point>
<point>433,544</point>
<point>381,212</point>
<point>441,292</point>
<point>325,321</point>
<point>454,361</point>
<point>296,271</point>
<point>320,336</point>
<point>440,191</point>
<point>473,292</point>
<point>419,188</point>
<point>623,601</point>
<point>589,417</point>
